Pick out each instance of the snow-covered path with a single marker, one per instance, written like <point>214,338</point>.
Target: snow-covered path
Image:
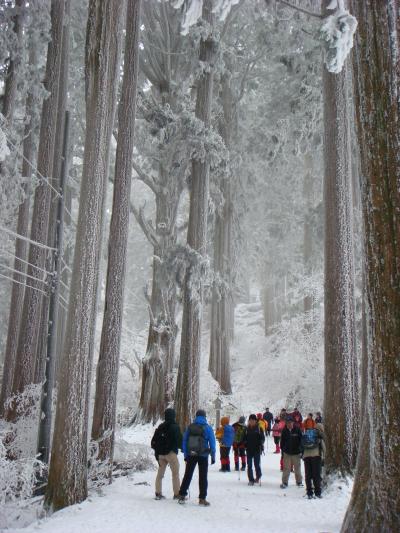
<point>127,506</point>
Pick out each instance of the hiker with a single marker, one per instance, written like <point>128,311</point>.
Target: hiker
<point>313,456</point>
<point>268,417</point>
<point>261,423</point>
<point>276,433</point>
<point>166,441</point>
<point>297,418</point>
<point>254,444</point>
<point>291,448</point>
<point>283,414</point>
<point>197,444</point>
<point>318,418</point>
<point>309,422</point>
<point>239,450</point>
<point>225,435</point>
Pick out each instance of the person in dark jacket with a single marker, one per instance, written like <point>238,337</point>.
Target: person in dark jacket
<point>268,417</point>
<point>199,457</point>
<point>174,439</point>
<point>292,449</point>
<point>254,443</point>
<point>318,418</point>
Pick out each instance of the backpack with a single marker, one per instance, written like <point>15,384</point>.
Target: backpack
<point>160,441</point>
<point>310,439</point>
<point>239,434</point>
<point>196,440</point>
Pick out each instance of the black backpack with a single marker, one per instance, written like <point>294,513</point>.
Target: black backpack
<point>196,440</point>
<point>160,441</point>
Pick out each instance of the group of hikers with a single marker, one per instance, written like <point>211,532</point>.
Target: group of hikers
<point>294,439</point>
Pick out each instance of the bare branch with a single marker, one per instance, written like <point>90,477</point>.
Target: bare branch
<point>146,225</point>
<point>146,179</point>
<point>301,9</point>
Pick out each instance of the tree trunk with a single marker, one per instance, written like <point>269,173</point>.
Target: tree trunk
<point>341,398</point>
<point>375,505</point>
<point>17,291</point>
<point>104,417</point>
<point>69,455</point>
<point>222,300</point>
<point>29,328</point>
<point>187,388</point>
<point>307,246</point>
<point>157,388</point>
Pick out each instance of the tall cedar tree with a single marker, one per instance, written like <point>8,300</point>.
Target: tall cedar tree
<point>68,466</point>
<point>187,388</point>
<point>107,369</point>
<point>341,397</point>
<point>375,502</point>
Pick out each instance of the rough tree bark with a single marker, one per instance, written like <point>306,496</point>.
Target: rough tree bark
<point>30,320</point>
<point>68,466</point>
<point>21,248</point>
<point>104,417</point>
<point>375,503</point>
<point>341,396</point>
<point>187,388</point>
<point>222,297</point>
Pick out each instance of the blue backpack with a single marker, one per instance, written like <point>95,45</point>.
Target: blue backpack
<point>310,439</point>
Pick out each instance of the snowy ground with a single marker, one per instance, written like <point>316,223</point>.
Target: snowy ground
<point>128,505</point>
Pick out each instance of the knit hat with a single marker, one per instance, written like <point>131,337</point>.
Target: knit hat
<point>169,414</point>
<point>225,420</point>
<point>201,412</point>
<point>253,417</point>
<point>259,416</point>
<point>242,419</point>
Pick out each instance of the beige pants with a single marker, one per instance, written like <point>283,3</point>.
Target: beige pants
<point>164,460</point>
<point>288,462</point>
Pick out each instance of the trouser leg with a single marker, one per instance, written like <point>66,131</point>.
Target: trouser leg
<point>174,465</point>
<point>242,453</point>
<point>250,466</point>
<point>225,463</point>
<point>236,456</point>
<point>191,463</point>
<point>308,475</point>
<point>296,461</point>
<point>203,472</point>
<point>257,459</point>
<point>316,474</point>
<point>162,465</point>
<point>287,463</point>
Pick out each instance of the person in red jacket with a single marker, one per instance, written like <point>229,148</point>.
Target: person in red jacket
<point>297,418</point>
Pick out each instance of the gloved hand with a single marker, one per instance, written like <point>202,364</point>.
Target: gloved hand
<point>213,460</point>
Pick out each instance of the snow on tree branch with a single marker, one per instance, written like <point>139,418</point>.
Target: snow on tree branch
<point>337,32</point>
<point>4,151</point>
<point>192,10</point>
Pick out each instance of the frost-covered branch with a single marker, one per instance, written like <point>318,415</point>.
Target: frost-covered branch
<point>146,179</point>
<point>146,225</point>
<point>337,34</point>
<point>301,9</point>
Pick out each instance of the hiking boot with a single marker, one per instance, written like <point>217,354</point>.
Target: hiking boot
<point>300,484</point>
<point>237,468</point>
<point>283,485</point>
<point>251,483</point>
<point>310,496</point>
<point>176,496</point>
<point>318,496</point>
<point>181,499</point>
<point>204,503</point>
<point>243,468</point>
<point>159,496</point>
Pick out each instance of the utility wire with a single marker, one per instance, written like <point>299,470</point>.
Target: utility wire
<point>24,284</point>
<point>23,238</point>
<point>23,274</point>
<point>25,262</point>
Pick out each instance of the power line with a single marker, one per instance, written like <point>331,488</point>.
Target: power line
<point>23,274</point>
<point>24,284</point>
<point>23,238</point>
<point>18,150</point>
<point>24,261</point>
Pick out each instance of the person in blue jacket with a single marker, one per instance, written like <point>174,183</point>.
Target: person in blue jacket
<point>197,444</point>
<point>225,435</point>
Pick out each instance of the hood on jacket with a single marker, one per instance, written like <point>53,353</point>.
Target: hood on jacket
<point>169,415</point>
<point>225,420</point>
<point>200,420</point>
